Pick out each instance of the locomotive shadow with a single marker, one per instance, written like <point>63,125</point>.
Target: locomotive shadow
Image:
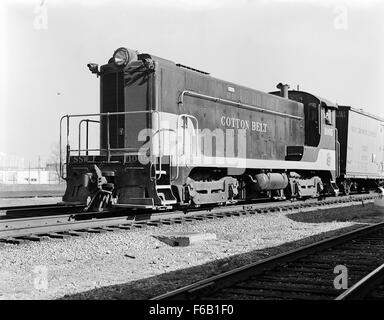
<point>150,287</point>
<point>364,213</point>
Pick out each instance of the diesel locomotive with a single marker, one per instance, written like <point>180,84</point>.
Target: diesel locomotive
<point>174,136</point>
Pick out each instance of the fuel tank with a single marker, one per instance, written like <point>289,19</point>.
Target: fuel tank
<point>271,181</point>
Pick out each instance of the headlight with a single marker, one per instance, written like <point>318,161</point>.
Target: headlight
<point>122,56</point>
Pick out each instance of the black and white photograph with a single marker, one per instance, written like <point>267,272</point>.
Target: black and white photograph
<point>194,154</point>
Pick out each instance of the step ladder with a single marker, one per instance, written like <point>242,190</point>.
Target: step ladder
<point>164,192</point>
<point>162,182</point>
<point>160,172</point>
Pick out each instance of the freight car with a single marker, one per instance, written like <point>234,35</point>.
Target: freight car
<point>172,135</point>
<point>361,138</point>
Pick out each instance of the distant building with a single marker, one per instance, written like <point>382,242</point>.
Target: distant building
<point>25,176</point>
<point>13,171</point>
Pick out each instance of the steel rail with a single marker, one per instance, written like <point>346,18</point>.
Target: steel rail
<point>363,287</point>
<point>357,197</point>
<point>243,205</point>
<point>40,211</point>
<point>59,224</point>
<point>56,223</point>
<point>31,207</point>
<point>31,194</point>
<point>196,290</point>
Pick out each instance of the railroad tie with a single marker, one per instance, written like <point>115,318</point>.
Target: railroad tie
<point>31,238</point>
<point>108,228</point>
<point>139,225</point>
<point>57,235</point>
<point>112,228</point>
<point>76,233</point>
<point>125,226</point>
<point>154,223</point>
<point>11,240</point>
<point>167,222</point>
<point>93,230</point>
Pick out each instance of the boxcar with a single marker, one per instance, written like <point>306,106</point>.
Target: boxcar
<point>361,139</point>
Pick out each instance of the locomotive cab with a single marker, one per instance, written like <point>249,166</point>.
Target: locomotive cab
<point>321,136</point>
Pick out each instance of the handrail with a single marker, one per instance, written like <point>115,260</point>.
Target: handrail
<point>186,116</point>
<point>234,103</point>
<point>86,141</point>
<point>77,150</point>
<point>107,114</point>
<point>159,131</point>
<point>112,149</point>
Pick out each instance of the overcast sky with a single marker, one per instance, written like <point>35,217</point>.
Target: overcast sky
<point>331,48</point>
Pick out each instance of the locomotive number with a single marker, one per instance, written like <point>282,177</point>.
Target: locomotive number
<point>131,158</point>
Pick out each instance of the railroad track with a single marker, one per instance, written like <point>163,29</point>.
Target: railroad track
<point>37,210</point>
<point>314,272</point>
<point>18,225</point>
<point>16,195</point>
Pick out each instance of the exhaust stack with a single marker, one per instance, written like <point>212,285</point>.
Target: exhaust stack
<point>283,89</point>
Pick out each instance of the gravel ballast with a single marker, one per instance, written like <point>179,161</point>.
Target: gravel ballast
<point>135,265</point>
